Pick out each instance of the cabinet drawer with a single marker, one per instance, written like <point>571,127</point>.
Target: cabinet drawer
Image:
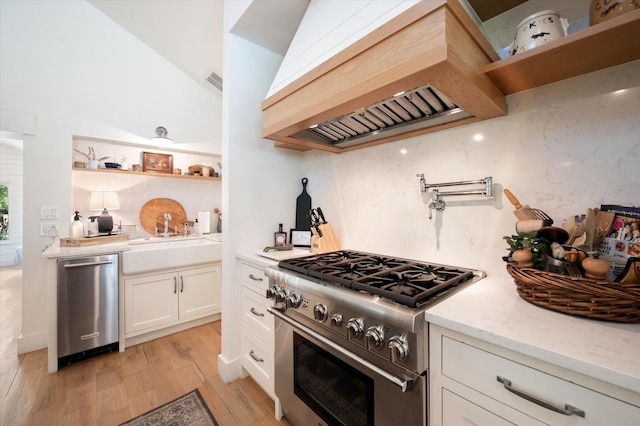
<point>257,359</point>
<point>479,370</point>
<point>460,411</point>
<point>255,316</point>
<point>254,277</point>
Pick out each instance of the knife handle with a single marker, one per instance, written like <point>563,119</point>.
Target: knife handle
<point>321,215</point>
<point>512,198</point>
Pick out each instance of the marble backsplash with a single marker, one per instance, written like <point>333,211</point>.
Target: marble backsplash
<point>563,148</point>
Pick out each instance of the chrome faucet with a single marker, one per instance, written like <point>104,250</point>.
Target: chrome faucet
<point>437,203</point>
<point>167,218</point>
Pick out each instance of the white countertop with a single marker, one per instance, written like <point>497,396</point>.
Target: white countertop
<point>260,258</point>
<point>491,310</point>
<point>55,251</point>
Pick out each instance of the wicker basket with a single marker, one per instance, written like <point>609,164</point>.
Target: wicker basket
<point>601,300</point>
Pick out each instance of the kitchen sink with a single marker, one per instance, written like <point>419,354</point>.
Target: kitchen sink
<point>155,254</point>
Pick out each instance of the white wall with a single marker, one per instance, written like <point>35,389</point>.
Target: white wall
<point>260,183</point>
<point>81,74</point>
<point>563,148</point>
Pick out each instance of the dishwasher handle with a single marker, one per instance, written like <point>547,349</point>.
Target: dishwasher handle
<point>85,264</point>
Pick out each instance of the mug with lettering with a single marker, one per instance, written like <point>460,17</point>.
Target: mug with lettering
<point>538,29</point>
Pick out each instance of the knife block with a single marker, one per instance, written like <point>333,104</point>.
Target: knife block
<point>328,242</point>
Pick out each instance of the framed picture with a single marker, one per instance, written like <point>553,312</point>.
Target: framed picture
<point>157,163</point>
<point>300,238</point>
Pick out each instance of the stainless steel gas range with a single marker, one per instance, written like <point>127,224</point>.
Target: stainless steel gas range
<point>351,347</point>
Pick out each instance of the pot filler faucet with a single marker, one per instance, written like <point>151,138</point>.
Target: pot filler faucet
<point>437,203</point>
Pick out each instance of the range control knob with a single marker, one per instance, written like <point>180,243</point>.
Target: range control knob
<point>336,319</point>
<point>293,300</point>
<point>272,291</point>
<point>281,296</point>
<point>399,348</point>
<point>374,336</point>
<point>320,312</point>
<point>355,327</point>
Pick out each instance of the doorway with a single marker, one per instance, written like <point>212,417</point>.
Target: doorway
<point>11,243</point>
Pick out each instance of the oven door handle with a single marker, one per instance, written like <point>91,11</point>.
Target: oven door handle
<point>404,385</point>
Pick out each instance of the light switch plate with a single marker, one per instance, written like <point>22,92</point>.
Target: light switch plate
<point>48,229</point>
<point>44,229</point>
<point>49,212</point>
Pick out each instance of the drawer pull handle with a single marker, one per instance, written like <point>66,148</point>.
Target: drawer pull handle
<point>254,278</point>
<point>175,285</point>
<point>256,313</point>
<point>255,358</point>
<point>568,410</point>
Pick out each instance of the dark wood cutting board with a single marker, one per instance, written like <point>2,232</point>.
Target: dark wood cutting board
<point>303,205</point>
<point>152,215</point>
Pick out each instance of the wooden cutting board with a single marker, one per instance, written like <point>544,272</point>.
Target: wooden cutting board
<point>303,205</point>
<point>152,215</point>
<point>83,242</point>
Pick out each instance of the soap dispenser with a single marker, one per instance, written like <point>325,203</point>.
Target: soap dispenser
<point>196,228</point>
<point>93,227</point>
<point>76,228</point>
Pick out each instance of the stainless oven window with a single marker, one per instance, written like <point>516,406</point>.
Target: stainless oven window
<point>335,391</point>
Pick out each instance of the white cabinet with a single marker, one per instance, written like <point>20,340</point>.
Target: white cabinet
<point>199,292</point>
<point>475,382</point>
<point>257,329</point>
<point>160,300</point>
<point>150,302</point>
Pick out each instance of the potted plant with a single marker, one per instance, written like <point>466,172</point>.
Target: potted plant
<point>91,157</point>
<point>526,250</point>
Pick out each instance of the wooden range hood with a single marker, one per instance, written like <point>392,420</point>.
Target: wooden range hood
<point>434,43</point>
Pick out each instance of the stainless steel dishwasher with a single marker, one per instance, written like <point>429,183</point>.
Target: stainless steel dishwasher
<point>87,306</point>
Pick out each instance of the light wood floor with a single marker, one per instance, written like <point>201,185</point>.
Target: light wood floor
<point>112,388</point>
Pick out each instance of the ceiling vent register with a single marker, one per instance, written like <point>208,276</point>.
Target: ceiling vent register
<point>216,80</point>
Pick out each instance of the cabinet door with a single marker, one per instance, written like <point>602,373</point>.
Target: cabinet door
<point>150,301</point>
<point>199,291</point>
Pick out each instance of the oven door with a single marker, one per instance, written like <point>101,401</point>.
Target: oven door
<point>321,383</point>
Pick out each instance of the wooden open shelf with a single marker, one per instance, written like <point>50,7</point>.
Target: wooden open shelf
<point>604,45</point>
<point>161,175</point>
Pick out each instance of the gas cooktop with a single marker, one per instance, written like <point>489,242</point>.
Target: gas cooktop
<point>408,282</point>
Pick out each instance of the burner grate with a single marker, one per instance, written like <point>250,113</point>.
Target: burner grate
<point>404,281</point>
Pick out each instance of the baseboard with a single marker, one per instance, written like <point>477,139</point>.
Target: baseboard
<point>135,340</point>
<point>229,370</point>
<point>33,342</point>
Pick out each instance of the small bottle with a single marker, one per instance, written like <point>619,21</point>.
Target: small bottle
<point>196,228</point>
<point>76,228</point>
<point>280,237</point>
